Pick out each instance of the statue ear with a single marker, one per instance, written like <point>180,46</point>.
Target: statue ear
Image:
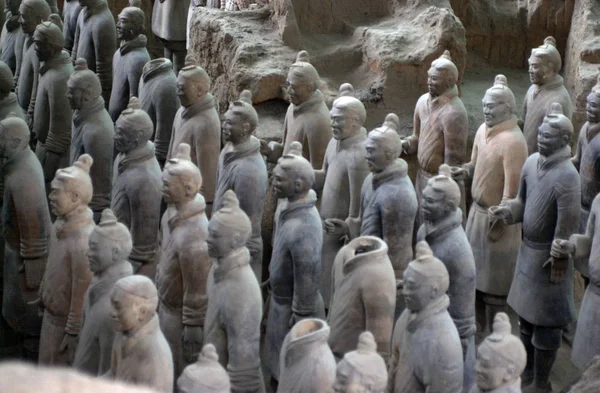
<point>75,196</point>
<point>14,143</point>
<point>298,185</point>
<point>188,190</point>
<point>509,374</point>
<point>115,254</point>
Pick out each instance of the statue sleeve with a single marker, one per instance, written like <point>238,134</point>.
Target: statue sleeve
<point>517,205</point>
<point>583,243</point>
<point>318,136</point>
<point>32,212</point>
<point>568,191</point>
<point>306,257</point>
<point>357,174</point>
<point>105,38</point>
<point>446,373</point>
<point>394,357</point>
<point>80,281</point>
<point>576,160</point>
<point>456,132</point>
<point>168,103</point>
<point>195,265</point>
<point>59,129</point>
<point>413,140</point>
<point>513,160</point>
<point>76,37</point>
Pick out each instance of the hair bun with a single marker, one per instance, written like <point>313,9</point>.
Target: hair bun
<point>295,149</point>
<point>84,162</point>
<point>556,109</point>
<point>135,3</point>
<point>501,80</point>
<point>550,41</point>
<point>246,96</point>
<point>446,55</point>
<point>183,152</point>
<point>366,343</point>
<point>134,103</point>
<point>108,218</point>
<point>392,121</point>
<point>303,56</point>
<point>81,64</point>
<point>346,89</point>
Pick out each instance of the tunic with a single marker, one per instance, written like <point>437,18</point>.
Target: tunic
<point>71,10</point>
<point>344,169</point>
<point>98,332</point>
<point>426,352</point>
<point>496,162</point>
<point>158,97</point>
<point>536,104</point>
<point>27,75</point>
<point>233,320</point>
<point>200,127</point>
<point>307,364</point>
<point>66,280</point>
<point>587,162</point>
<point>93,133</point>
<point>294,273</point>
<point>364,296</point>
<point>8,49</point>
<point>53,115</point>
<point>548,205</point>
<point>136,196</point>
<point>182,271</point>
<point>27,226</point>
<point>127,65</point>
<point>143,358</point>
<point>242,169</point>
<point>169,19</point>
<point>96,41</point>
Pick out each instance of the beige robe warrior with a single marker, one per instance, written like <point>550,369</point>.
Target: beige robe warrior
<point>496,161</point>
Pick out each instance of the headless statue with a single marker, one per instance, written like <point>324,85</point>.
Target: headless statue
<point>547,87</point>
<point>137,186</point>
<point>169,19</point>
<point>108,247</point>
<point>206,375</point>
<point>128,60</point>
<point>92,132</point>
<point>548,205</point>
<point>140,352</point>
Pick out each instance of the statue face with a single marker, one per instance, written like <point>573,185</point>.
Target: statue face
<point>125,27</point>
<point>539,72</point>
<point>188,91</point>
<point>221,240</point>
<point>173,189</point>
<point>417,291</point>
<point>101,253</point>
<point>348,380</point>
<point>13,6</point>
<point>437,82</point>
<point>377,158</point>
<point>125,310</point>
<point>62,202</point>
<point>298,90</point>
<point>234,129</point>
<point>27,19</point>
<point>283,184</point>
<point>75,96</point>
<point>125,138</point>
<point>434,205</point>
<point>490,373</point>
<point>550,140</point>
<point>592,109</point>
<point>495,110</point>
<point>43,48</point>
<point>342,123</point>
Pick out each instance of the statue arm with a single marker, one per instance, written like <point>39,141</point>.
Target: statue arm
<point>76,37</point>
<point>320,175</point>
<point>141,224</point>
<point>318,134</point>
<point>583,243</point>
<point>32,212</point>
<point>195,265</point>
<point>60,118</point>
<point>394,358</point>
<point>446,373</point>
<point>105,39</point>
<point>513,160</point>
<point>357,174</point>
<point>456,133</point>
<point>34,89</point>
<point>517,205</point>
<point>80,281</point>
<point>379,300</point>
<point>306,259</point>
<point>568,192</point>
<point>165,110</point>
<point>411,144</point>
<point>576,160</point>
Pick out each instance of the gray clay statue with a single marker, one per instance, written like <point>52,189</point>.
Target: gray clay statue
<point>137,186</point>
<point>92,132</point>
<point>70,14</point>
<point>183,262</point>
<point>8,99</point>
<point>241,168</point>
<point>440,128</point>
<point>140,352</point>
<point>96,42</point>
<point>67,274</point>
<point>169,19</point>
<point>341,178</point>
<point>11,34</point>
<point>234,313</point>
<point>426,354</point>
<point>108,247</point>
<point>295,267</point>
<point>364,296</point>
<point>158,97</point>
<point>548,205</point>
<point>204,376</point>
<point>129,59</point>
<point>197,123</point>
<point>547,87</point>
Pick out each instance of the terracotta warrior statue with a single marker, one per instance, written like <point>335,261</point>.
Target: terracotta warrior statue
<point>364,296</point>
<point>140,352</point>
<point>183,262</point>
<point>96,42</point>
<point>52,116</point>
<point>547,87</point>
<point>295,267</point>
<point>67,274</point>
<point>197,123</point>
<point>137,184</point>
<point>12,38</point>
<point>426,349</point>
<point>92,132</point>
<point>169,19</point>
<point>341,178</point>
<point>443,232</point>
<point>307,363</point>
<point>388,202</point>
<point>499,152</point>
<point>70,14</point>
<point>33,12</point>
<point>548,206</point>
<point>158,97</point>
<point>27,227</point>
<point>234,311</point>
<point>361,370</point>
<point>129,59</point>
<point>8,99</point>
<point>204,376</point>
<point>587,162</point>
<point>440,127</point>
<point>241,168</point>
<point>501,359</point>
<point>108,247</point>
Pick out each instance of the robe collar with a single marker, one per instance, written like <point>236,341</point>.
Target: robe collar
<point>300,346</point>
<point>103,283</point>
<point>416,319</point>
<point>138,42</point>
<point>547,163</point>
<point>233,152</point>
<point>434,230</point>
<point>10,99</point>
<point>236,259</point>
<point>156,67</point>
<point>96,8</point>
<point>397,170</point>
<point>377,253</point>
<point>307,202</point>
<point>73,222</point>
<point>550,85</point>
<point>491,132</point>
<point>80,116</point>
<point>307,106</point>
<point>62,59</point>
<point>352,140</point>
<point>14,161</point>
<point>12,23</point>
<point>591,130</point>
<point>132,340</point>
<point>135,156</point>
<point>442,99</point>
<point>193,208</point>
<point>206,103</point>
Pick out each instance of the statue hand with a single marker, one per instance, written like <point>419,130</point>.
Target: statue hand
<point>558,268</point>
<point>500,212</point>
<point>335,226</point>
<point>405,145</point>
<point>34,271</point>
<point>458,173</point>
<point>39,304</point>
<point>264,147</point>
<point>69,344</point>
<point>562,249</point>
<point>193,337</point>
